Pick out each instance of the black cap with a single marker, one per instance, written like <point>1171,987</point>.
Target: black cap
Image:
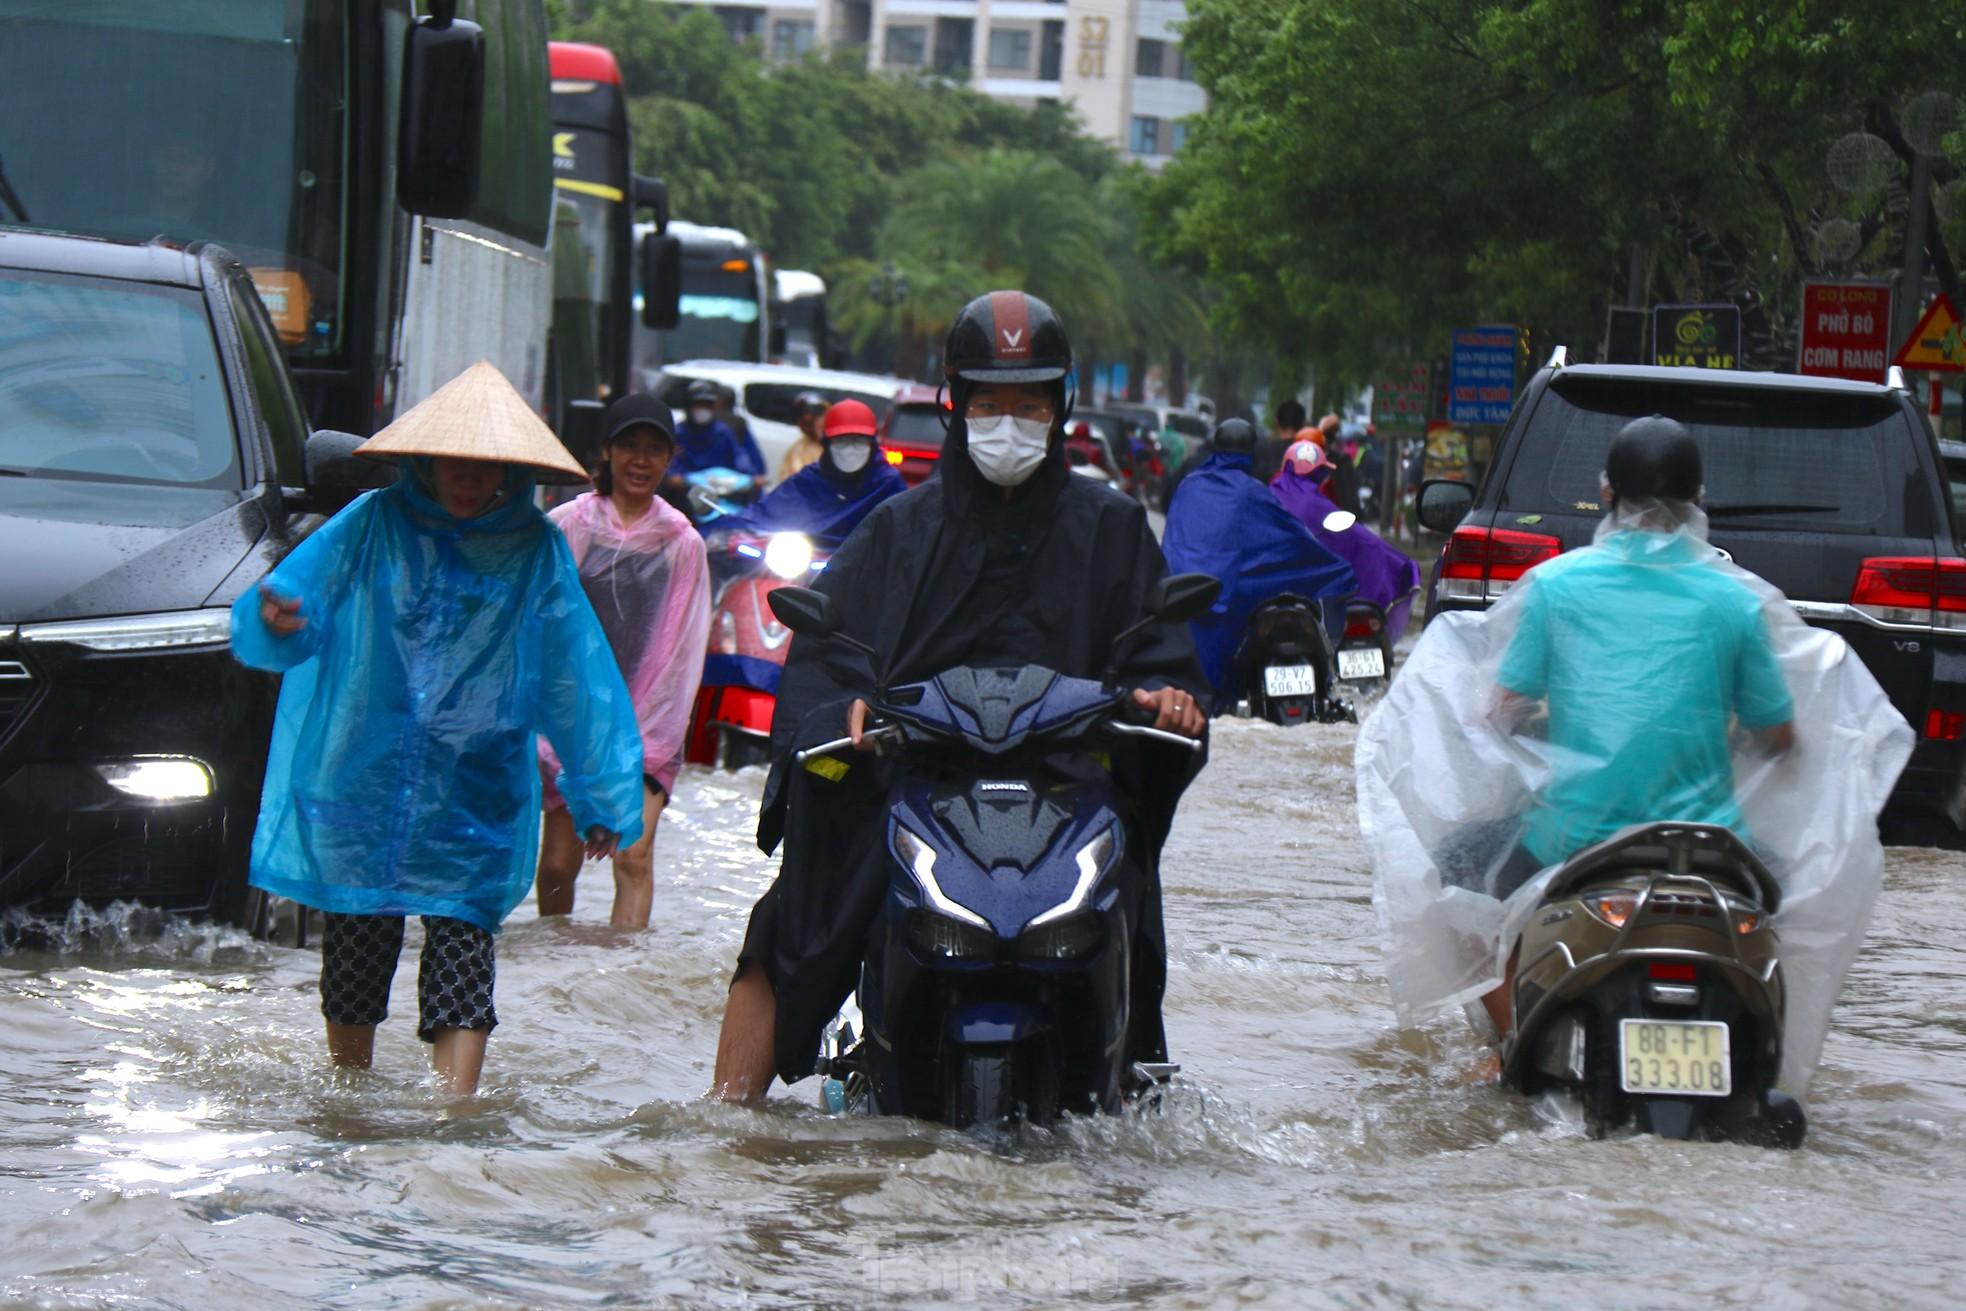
<point>810,402</point>
<point>636,410</point>
<point>1234,437</point>
<point>1654,458</point>
<point>702,390</point>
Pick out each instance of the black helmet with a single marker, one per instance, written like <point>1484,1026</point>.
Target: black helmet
<point>1234,437</point>
<point>809,402</point>
<point>702,390</point>
<point>1656,458</point>
<point>1007,336</point>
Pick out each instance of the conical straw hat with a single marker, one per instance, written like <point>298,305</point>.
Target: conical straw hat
<point>477,415</point>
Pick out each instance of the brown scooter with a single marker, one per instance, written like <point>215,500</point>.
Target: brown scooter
<point>1649,984</point>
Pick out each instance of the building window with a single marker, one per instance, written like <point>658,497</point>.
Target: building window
<point>1051,57</point>
<point>955,45</point>
<point>1177,135</point>
<point>1146,135</point>
<point>1182,68</point>
<point>1010,49</point>
<point>790,38</point>
<point>741,24</point>
<point>1148,58</point>
<point>907,47</point>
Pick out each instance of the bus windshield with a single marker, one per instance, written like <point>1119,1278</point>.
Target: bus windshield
<point>720,316</point>
<point>221,120</point>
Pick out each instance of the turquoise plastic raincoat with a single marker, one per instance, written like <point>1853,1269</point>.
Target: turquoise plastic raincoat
<point>403,776</point>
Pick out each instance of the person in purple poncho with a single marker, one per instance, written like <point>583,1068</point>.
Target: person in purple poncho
<point>1385,577</point>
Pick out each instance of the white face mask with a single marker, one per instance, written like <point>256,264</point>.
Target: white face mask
<point>1008,450</point>
<point>701,418</point>
<point>850,454</point>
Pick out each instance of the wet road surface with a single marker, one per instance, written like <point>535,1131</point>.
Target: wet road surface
<point>171,1136</point>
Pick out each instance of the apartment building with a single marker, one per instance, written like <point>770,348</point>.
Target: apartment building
<point>1118,62</point>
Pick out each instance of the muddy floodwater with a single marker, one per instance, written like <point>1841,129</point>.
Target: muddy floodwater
<point>171,1137</point>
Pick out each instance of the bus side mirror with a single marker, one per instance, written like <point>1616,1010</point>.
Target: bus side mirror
<point>443,118</point>
<point>651,194</point>
<point>662,281</point>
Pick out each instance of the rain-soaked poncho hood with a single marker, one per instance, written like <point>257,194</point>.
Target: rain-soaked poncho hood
<point>650,588</point>
<point>1224,523</point>
<point>1385,576</point>
<point>402,777</point>
<point>819,501</point>
<point>1445,790</point>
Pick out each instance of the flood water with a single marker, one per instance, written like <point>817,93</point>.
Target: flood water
<point>172,1138</point>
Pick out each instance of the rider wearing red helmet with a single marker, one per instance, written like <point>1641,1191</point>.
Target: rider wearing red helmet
<point>829,497</point>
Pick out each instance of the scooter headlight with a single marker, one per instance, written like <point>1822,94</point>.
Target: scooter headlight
<point>1072,938</point>
<point>789,555</point>
<point>919,859</point>
<point>1093,859</point>
<point>937,936</point>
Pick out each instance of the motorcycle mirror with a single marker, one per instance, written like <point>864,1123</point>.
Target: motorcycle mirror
<point>1443,503</point>
<point>1339,521</point>
<point>805,611</point>
<point>1181,598</point>
<point>811,613</point>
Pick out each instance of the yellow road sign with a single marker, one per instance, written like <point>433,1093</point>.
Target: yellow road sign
<point>1937,344</point>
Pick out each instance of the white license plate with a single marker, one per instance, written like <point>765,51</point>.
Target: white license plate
<point>1362,662</point>
<point>1289,680</point>
<point>1682,1058</point>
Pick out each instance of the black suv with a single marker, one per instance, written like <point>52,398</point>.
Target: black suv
<point>1833,491</point>
<point>154,464</point>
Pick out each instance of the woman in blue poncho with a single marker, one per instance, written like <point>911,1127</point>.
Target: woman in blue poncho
<point>429,633</point>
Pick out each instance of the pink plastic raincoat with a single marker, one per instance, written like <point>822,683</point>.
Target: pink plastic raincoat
<point>650,588</point>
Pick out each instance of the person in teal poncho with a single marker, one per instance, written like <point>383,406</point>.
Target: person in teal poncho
<point>429,634</point>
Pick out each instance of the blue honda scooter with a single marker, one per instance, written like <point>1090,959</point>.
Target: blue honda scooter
<point>996,983</point>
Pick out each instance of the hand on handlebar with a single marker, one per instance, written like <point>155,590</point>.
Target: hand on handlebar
<point>1175,711</point>
<point>856,725</point>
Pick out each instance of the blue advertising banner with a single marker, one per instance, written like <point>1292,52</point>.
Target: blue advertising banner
<point>1481,375</point>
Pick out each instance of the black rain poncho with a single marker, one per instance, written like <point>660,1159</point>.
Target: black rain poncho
<point>949,574</point>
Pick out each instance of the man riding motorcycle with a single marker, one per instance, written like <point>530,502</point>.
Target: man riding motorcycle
<point>1646,652</point>
<point>703,441</point>
<point>1225,523</point>
<point>1004,559</point>
<point>827,499</point>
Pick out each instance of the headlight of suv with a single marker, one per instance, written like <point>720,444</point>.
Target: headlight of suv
<point>789,555</point>
<point>176,628</point>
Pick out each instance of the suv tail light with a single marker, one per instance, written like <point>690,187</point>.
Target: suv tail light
<point>1912,590</point>
<point>1480,563</point>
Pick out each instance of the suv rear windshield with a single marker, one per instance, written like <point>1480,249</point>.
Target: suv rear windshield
<point>104,381</point>
<point>1798,460</point>
<point>917,425</point>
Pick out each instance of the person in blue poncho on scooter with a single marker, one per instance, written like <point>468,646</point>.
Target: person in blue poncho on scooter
<point>1225,523</point>
<point>429,634</point>
<point>828,498</point>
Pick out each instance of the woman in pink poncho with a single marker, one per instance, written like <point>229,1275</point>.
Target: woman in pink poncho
<point>642,566</point>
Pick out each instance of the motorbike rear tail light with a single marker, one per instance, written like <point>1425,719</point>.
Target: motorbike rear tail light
<point>1912,591</point>
<point>1363,626</point>
<point>1674,971</point>
<point>1481,563</point>
<point>1945,725</point>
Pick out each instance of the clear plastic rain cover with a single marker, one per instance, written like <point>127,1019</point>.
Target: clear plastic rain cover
<point>1462,777</point>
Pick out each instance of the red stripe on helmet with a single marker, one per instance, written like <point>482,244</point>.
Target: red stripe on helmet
<point>1010,326</point>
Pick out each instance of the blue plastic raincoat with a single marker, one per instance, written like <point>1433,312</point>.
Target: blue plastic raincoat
<point>818,501</point>
<point>1225,523</point>
<point>403,778</point>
